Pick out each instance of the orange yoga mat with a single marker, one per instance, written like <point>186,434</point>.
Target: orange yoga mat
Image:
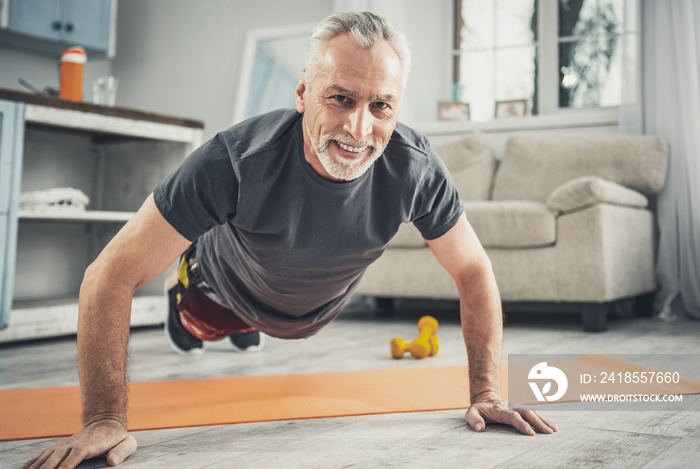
<point>50,412</point>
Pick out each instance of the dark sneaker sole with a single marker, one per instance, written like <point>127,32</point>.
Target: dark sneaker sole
<point>251,348</point>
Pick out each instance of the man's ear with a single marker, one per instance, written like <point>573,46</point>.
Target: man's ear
<point>299,94</point>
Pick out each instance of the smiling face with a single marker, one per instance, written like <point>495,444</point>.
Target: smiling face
<point>350,108</point>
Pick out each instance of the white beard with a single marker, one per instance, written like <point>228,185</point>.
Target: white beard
<point>343,169</point>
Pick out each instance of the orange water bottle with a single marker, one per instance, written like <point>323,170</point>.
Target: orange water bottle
<point>72,63</point>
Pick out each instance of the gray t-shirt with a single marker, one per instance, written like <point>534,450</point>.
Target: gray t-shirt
<point>283,247</point>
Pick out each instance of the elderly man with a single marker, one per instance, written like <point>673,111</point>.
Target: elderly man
<point>278,217</point>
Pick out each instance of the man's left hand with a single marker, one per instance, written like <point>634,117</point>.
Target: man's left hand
<point>493,409</point>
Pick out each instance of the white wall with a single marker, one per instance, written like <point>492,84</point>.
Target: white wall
<point>428,28</point>
<point>182,57</point>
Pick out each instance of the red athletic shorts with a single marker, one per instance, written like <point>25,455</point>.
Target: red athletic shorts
<point>202,316</point>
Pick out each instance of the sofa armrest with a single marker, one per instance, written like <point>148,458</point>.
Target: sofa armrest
<point>588,190</point>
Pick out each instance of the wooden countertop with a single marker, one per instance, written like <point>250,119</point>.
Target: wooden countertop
<point>41,100</point>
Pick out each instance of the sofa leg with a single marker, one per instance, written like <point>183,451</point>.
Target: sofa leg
<point>595,317</point>
<point>386,304</point>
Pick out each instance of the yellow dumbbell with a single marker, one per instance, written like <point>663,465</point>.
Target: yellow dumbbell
<point>426,345</point>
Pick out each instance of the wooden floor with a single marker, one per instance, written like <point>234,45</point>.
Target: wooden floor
<point>360,341</point>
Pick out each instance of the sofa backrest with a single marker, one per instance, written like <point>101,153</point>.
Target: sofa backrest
<point>471,161</point>
<point>534,165</point>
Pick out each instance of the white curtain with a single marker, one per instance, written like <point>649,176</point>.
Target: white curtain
<point>669,106</point>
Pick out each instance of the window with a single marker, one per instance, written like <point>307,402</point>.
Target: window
<point>556,54</point>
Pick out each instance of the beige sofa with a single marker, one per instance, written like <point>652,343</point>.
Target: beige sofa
<point>564,219</point>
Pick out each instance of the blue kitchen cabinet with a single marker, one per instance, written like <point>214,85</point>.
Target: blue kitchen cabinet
<point>11,151</point>
<point>84,23</point>
<point>34,18</point>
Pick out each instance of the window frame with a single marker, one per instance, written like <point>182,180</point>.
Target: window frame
<point>547,45</point>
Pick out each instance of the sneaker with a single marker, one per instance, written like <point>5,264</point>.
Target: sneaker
<point>251,341</point>
<point>180,339</point>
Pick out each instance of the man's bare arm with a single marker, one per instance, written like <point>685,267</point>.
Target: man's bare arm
<point>461,254</point>
<point>143,249</point>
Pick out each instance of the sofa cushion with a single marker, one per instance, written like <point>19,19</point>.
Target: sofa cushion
<point>512,224</point>
<point>471,162</point>
<point>408,236</point>
<point>588,190</point>
<point>534,165</point>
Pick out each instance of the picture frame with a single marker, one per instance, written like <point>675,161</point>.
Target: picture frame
<point>453,111</point>
<point>510,108</point>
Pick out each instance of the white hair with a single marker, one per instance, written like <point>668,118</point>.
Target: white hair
<point>366,29</point>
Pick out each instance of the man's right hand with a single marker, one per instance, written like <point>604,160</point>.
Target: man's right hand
<point>106,438</point>
<point>142,249</point>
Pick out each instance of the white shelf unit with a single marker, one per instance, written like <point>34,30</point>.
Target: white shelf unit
<point>59,317</point>
<point>75,216</point>
<point>115,160</point>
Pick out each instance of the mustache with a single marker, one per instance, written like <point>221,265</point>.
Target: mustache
<point>325,140</point>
